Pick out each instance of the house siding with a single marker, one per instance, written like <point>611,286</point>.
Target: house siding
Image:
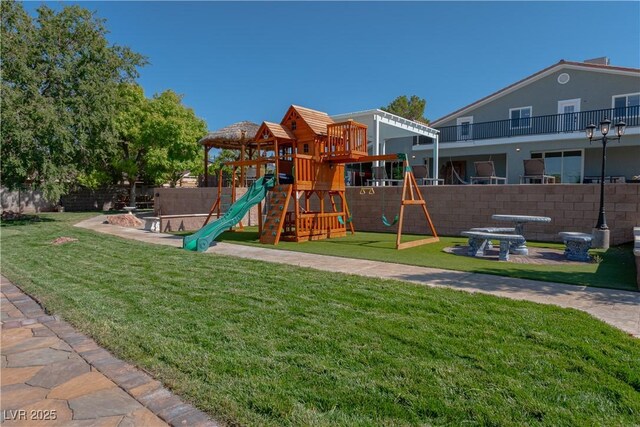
<point>594,89</point>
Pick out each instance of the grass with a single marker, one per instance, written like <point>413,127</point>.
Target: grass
<point>615,270</point>
<point>254,343</point>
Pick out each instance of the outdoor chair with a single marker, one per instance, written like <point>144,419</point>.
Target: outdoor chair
<point>534,172</point>
<point>421,174</point>
<point>379,175</point>
<point>486,172</point>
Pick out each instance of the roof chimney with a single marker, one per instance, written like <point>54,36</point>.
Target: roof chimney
<point>603,60</point>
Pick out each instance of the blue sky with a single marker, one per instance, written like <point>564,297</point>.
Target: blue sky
<point>250,61</point>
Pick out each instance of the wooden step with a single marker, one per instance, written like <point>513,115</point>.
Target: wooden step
<point>279,197</point>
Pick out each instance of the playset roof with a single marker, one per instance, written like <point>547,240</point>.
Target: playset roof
<point>231,137</point>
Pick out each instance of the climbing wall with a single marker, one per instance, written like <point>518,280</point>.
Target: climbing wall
<point>279,197</point>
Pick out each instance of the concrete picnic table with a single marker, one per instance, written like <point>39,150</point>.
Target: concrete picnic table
<point>519,221</point>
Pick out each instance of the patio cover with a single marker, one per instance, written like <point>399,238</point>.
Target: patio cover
<point>384,125</point>
<point>238,136</point>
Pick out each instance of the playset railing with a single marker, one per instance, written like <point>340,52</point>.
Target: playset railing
<point>305,168</point>
<point>319,221</point>
<point>345,139</point>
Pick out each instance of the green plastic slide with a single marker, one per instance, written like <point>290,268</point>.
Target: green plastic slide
<point>201,239</point>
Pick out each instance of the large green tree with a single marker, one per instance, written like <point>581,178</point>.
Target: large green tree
<point>409,108</point>
<point>60,79</point>
<point>157,138</point>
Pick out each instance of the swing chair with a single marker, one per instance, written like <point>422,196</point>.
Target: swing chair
<point>385,221</point>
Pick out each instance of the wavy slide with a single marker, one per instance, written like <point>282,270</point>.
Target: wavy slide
<point>201,239</point>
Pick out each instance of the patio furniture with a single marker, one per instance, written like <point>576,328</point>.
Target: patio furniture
<point>607,179</point>
<point>576,245</point>
<point>519,221</point>
<point>421,174</point>
<point>499,230</point>
<point>534,171</point>
<point>479,241</point>
<point>486,172</point>
<point>380,177</point>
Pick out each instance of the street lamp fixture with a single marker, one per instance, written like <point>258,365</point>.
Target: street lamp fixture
<point>605,127</point>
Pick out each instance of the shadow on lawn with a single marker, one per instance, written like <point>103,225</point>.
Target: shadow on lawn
<point>23,220</point>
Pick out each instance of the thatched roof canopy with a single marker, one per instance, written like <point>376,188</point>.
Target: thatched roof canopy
<point>231,137</point>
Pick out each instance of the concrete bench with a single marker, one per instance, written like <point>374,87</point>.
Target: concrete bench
<point>577,245</point>
<point>499,230</point>
<point>152,223</point>
<point>478,241</point>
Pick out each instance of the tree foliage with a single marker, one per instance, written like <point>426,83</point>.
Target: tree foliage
<point>157,138</point>
<point>409,108</point>
<point>218,161</point>
<point>60,79</point>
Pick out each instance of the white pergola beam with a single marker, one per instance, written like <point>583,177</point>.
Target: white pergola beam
<point>407,125</point>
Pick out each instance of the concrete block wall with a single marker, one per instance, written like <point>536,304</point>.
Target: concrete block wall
<point>24,200</point>
<point>187,201</point>
<point>636,252</point>
<point>457,208</point>
<point>454,209</point>
<point>101,199</point>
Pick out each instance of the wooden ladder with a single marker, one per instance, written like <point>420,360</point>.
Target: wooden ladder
<point>279,198</point>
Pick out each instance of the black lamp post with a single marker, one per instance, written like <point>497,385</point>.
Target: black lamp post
<point>605,126</point>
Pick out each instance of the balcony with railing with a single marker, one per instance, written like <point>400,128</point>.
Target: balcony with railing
<point>345,141</point>
<point>538,125</point>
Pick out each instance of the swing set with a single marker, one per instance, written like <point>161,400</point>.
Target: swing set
<point>411,196</point>
<point>309,152</point>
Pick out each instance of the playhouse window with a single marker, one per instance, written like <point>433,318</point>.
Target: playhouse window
<point>305,148</point>
<point>293,125</point>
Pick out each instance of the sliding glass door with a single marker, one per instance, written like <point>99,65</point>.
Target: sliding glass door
<point>566,166</point>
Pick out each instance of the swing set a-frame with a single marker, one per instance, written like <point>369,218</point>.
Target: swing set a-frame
<point>411,196</point>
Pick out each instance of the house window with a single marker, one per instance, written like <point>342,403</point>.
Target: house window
<point>465,128</point>
<point>293,125</point>
<point>566,166</point>
<point>626,105</point>
<point>305,148</point>
<point>520,117</point>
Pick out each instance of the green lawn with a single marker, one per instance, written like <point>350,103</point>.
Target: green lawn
<point>616,269</point>
<point>254,343</point>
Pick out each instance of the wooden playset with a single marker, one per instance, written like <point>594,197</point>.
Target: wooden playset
<point>307,201</point>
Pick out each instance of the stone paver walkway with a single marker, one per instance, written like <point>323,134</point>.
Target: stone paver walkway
<point>618,308</point>
<point>53,375</point>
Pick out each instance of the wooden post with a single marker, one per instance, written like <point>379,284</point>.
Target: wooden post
<point>347,212</point>
<point>258,176</point>
<point>219,191</point>
<point>206,165</point>
<point>277,156</point>
<point>242,149</point>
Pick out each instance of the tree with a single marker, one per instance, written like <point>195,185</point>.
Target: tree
<point>157,138</point>
<point>60,82</point>
<point>409,108</point>
<point>177,129</point>
<point>222,157</point>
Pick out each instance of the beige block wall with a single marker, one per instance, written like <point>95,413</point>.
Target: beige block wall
<point>189,201</point>
<point>458,208</point>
